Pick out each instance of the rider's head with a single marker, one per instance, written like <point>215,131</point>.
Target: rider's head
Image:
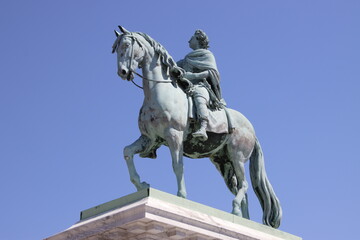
<point>202,38</point>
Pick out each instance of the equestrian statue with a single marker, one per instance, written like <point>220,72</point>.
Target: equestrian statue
<point>183,109</point>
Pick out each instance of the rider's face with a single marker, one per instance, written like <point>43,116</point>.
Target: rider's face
<point>193,43</point>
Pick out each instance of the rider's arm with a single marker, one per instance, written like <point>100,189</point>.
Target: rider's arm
<point>200,75</point>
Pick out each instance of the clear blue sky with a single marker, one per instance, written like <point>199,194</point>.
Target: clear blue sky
<point>292,67</point>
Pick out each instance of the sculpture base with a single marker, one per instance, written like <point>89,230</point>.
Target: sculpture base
<point>151,214</point>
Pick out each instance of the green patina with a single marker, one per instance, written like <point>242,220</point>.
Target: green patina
<point>167,114</point>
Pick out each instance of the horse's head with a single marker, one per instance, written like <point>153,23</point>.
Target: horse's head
<point>130,53</point>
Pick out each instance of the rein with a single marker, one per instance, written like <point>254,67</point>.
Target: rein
<point>147,79</point>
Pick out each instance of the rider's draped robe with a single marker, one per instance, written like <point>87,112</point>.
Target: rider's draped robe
<point>201,60</point>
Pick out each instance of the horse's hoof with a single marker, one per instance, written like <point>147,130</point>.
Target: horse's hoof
<point>236,208</point>
<point>181,194</point>
<point>144,185</point>
<point>236,212</point>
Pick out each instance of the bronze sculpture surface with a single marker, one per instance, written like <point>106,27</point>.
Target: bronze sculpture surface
<point>166,118</point>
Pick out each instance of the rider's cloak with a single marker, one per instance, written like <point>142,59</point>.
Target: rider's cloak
<point>201,60</point>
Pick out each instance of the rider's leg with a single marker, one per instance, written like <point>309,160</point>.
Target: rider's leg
<point>201,99</point>
<point>203,113</point>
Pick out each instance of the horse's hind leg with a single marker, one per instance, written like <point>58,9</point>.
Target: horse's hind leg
<point>234,176</point>
<point>140,145</point>
<point>245,207</point>
<point>240,205</point>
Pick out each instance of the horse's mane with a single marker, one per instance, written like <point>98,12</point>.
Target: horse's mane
<point>165,57</point>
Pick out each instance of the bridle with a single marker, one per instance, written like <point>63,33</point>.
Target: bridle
<point>131,71</point>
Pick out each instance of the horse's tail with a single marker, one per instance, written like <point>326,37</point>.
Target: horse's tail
<point>270,204</point>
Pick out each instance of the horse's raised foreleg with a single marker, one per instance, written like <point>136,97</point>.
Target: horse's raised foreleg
<point>140,145</point>
<point>174,138</point>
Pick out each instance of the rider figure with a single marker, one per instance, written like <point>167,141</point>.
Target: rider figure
<point>201,70</point>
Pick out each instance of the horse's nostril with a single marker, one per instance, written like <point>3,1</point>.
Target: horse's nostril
<point>123,72</point>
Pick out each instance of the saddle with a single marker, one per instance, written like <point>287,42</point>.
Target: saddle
<point>219,120</point>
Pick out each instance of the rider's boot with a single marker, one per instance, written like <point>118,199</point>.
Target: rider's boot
<point>201,133</point>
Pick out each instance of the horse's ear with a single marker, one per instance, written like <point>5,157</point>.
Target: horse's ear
<point>123,30</point>
<point>116,33</point>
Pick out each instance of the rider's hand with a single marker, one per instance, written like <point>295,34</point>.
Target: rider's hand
<point>175,72</point>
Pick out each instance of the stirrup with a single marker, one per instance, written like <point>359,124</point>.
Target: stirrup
<point>200,134</point>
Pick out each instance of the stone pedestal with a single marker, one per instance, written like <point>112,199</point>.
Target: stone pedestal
<point>151,215</point>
